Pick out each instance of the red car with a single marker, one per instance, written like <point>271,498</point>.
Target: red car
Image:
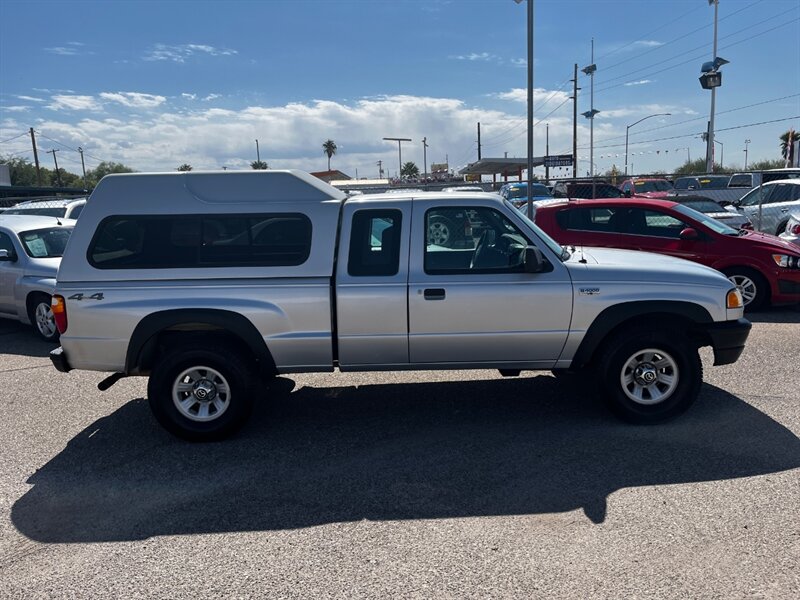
<point>645,188</point>
<point>764,267</point>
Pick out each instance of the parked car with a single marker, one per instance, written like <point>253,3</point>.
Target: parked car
<point>354,285</point>
<point>701,182</point>
<point>768,206</point>
<point>59,207</point>
<point>763,267</point>
<point>30,252</point>
<point>715,211</point>
<point>792,231</point>
<point>586,190</point>
<point>750,180</point>
<point>517,192</point>
<point>645,188</point>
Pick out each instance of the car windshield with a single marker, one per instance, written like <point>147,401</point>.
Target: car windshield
<point>551,243</point>
<point>713,183</point>
<point>712,224</point>
<point>45,243</point>
<point>652,186</point>
<point>601,190</point>
<point>521,191</point>
<point>45,211</point>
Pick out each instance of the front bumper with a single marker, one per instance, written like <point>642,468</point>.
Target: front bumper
<point>59,360</point>
<point>728,339</point>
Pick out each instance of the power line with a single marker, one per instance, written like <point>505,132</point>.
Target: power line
<point>534,125</point>
<point>14,138</point>
<point>68,147</point>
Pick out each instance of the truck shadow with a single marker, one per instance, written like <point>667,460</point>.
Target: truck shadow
<point>378,452</point>
<point>775,314</point>
<point>20,340</point>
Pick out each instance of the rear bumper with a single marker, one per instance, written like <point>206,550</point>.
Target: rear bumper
<point>59,360</point>
<point>728,339</point>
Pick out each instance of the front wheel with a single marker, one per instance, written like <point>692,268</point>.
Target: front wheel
<point>202,394</point>
<point>650,377</point>
<point>752,285</point>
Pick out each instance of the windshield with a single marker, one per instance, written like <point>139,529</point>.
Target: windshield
<point>601,190</point>
<point>551,243</point>
<point>704,206</point>
<point>652,186</point>
<point>713,183</point>
<point>712,224</point>
<point>44,211</point>
<point>45,243</point>
<point>521,191</point>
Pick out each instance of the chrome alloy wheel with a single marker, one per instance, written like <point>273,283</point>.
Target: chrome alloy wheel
<point>45,321</point>
<point>649,376</point>
<point>746,286</point>
<point>438,233</point>
<point>201,394</point>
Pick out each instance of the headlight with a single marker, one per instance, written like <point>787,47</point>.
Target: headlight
<point>787,261</point>
<point>734,299</point>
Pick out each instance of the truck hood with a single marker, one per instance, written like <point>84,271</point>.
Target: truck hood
<point>632,265</point>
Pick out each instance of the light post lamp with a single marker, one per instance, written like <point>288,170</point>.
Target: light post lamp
<point>590,114</point>
<point>711,79</point>
<point>399,150</point>
<point>745,153</point>
<point>627,129</point>
<point>530,108</point>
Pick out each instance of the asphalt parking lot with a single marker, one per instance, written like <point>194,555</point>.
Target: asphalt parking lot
<point>404,485</point>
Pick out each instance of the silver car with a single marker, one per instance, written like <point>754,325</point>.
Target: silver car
<point>792,231</point>
<point>30,252</point>
<point>769,205</point>
<point>65,208</point>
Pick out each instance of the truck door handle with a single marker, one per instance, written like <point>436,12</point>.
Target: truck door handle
<point>434,294</point>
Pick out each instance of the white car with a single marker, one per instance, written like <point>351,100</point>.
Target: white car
<point>31,247</point>
<point>63,208</point>
<point>769,205</point>
<point>792,231</point>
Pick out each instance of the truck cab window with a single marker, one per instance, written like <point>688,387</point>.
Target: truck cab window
<point>375,243</point>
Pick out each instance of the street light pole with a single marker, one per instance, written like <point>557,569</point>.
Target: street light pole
<point>745,153</point>
<point>628,129</point>
<point>590,114</point>
<point>258,153</point>
<point>399,149</point>
<point>710,146</point>
<point>530,108</point>
<point>721,153</point>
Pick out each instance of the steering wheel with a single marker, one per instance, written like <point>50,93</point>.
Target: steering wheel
<point>480,249</point>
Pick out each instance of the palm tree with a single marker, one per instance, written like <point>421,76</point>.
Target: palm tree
<point>409,170</point>
<point>259,165</point>
<point>185,167</point>
<point>329,148</point>
<point>785,150</point>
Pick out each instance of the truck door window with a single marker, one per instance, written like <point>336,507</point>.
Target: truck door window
<point>470,240</point>
<point>375,243</point>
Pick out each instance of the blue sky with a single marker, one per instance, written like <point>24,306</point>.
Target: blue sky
<point>154,84</point>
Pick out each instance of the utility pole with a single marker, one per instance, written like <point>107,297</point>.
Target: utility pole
<point>575,89</point>
<point>425,157</point>
<point>710,146</point>
<point>590,114</point>
<point>83,166</point>
<point>58,175</point>
<point>399,150</point>
<point>36,160</point>
<point>547,153</point>
<point>380,169</point>
<point>479,141</point>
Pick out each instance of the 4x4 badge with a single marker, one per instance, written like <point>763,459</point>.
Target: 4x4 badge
<point>590,291</point>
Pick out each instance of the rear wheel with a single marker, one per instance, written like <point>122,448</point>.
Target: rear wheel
<point>752,285</point>
<point>41,316</point>
<point>441,232</point>
<point>650,377</point>
<point>202,394</point>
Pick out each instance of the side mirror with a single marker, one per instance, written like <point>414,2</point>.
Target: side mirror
<point>6,256</point>
<point>689,234</point>
<point>627,193</point>
<point>534,262</point>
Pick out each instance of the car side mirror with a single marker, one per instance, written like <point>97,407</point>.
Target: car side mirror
<point>6,256</point>
<point>534,262</point>
<point>689,234</point>
<point>627,193</point>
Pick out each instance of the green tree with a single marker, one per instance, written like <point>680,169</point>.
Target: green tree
<point>329,148</point>
<point>185,167</point>
<point>259,165</point>
<point>409,170</point>
<point>763,165</point>
<point>93,176</point>
<point>694,167</point>
<point>22,171</point>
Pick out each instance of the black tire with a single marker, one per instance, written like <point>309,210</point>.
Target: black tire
<point>226,380</point>
<point>673,364</point>
<point>752,285</point>
<point>441,232</point>
<point>41,317</point>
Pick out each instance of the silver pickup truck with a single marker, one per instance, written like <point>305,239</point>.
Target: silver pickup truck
<point>211,282</point>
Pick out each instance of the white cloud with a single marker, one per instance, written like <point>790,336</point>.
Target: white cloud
<point>189,96</point>
<point>211,97</point>
<point>640,82</point>
<point>70,49</point>
<point>479,56</point>
<point>64,102</point>
<point>542,98</point>
<point>17,108</point>
<point>647,43</point>
<point>134,99</point>
<point>180,53</point>
<point>31,99</point>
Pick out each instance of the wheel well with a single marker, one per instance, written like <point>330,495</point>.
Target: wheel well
<point>781,226</point>
<point>30,300</point>
<point>158,333</point>
<point>752,271</point>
